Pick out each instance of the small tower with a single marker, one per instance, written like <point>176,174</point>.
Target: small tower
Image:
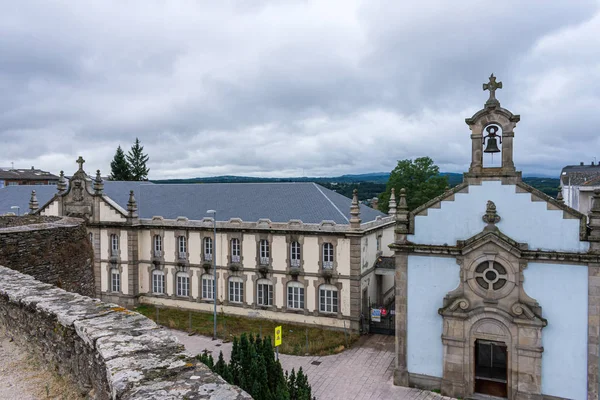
<point>594,223</point>
<point>98,183</point>
<point>33,203</point>
<point>62,183</point>
<point>392,204</point>
<point>132,205</point>
<point>402,218</point>
<point>355,211</point>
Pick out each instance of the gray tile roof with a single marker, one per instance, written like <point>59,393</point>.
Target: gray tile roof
<point>279,202</point>
<point>27,174</point>
<point>579,174</point>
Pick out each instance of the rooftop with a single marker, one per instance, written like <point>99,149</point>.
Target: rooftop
<point>579,174</point>
<point>26,174</point>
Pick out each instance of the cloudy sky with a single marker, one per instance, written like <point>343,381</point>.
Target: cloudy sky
<point>294,88</point>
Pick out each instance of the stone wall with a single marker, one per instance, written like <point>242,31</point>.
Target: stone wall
<point>108,351</point>
<point>52,249</point>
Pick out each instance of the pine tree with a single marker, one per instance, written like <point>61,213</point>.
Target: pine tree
<point>137,161</point>
<point>119,168</point>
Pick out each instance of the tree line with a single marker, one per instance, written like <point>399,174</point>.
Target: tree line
<point>253,368</point>
<point>131,166</point>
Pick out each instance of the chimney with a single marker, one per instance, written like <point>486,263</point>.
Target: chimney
<point>374,203</point>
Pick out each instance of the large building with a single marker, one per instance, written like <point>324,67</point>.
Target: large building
<point>577,185</point>
<point>498,284</point>
<point>13,177</point>
<point>289,251</point>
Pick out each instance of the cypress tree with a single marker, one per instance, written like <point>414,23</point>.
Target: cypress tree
<point>120,170</point>
<point>137,161</point>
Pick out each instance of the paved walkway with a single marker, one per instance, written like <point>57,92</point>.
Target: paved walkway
<point>363,372</point>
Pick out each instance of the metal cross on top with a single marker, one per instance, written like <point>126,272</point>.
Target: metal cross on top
<point>80,161</point>
<point>492,85</point>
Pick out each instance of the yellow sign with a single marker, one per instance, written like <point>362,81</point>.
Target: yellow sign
<point>278,336</point>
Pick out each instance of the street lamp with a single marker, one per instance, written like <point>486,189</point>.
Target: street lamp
<point>214,213</point>
<point>16,208</point>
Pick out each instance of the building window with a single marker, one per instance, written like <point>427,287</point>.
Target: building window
<point>236,290</point>
<point>264,292</point>
<point>182,246</point>
<point>327,256</point>
<point>491,275</point>
<point>157,245</point>
<point>183,284</point>
<point>235,250</point>
<point>295,254</point>
<point>208,287</point>
<point>115,280</point>
<point>208,249</point>
<point>91,238</point>
<point>264,252</point>
<point>114,245</point>
<point>378,243</point>
<point>158,282</point>
<point>328,299</point>
<point>295,295</point>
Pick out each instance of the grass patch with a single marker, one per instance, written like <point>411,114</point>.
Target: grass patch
<point>321,341</point>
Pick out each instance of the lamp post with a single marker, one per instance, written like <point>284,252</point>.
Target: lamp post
<point>214,213</point>
<point>16,208</point>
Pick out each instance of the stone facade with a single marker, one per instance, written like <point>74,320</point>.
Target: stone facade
<point>53,250</point>
<point>108,351</point>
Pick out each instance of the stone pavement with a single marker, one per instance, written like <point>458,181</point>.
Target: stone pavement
<point>363,372</point>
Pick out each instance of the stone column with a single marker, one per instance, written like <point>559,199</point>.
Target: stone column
<point>401,291</point>
<point>476,150</point>
<point>594,300</point>
<point>355,294</point>
<point>507,151</point>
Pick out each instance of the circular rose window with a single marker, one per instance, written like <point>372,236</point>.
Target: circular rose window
<point>490,275</point>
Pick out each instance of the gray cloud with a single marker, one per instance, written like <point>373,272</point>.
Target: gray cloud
<point>293,87</point>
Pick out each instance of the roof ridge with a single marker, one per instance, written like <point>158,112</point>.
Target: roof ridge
<point>331,202</point>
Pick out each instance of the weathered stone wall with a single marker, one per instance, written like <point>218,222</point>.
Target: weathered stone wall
<point>52,249</point>
<point>109,352</point>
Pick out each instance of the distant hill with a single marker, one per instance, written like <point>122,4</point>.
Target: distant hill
<point>369,185</point>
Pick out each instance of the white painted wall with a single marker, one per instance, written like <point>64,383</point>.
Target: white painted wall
<point>343,256</point>
<point>52,209</point>
<point>279,252</point>
<point>310,254</point>
<point>429,280</point>
<point>522,220</point>
<point>561,291</point>
<point>107,214</point>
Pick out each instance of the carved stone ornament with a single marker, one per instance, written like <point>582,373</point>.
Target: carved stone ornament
<point>491,217</point>
<point>77,191</point>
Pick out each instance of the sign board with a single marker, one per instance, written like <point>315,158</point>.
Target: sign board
<point>278,336</point>
<point>375,315</point>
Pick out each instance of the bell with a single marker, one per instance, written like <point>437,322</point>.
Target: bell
<point>492,146</point>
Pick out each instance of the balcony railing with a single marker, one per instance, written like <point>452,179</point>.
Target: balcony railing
<point>157,253</point>
<point>235,259</point>
<point>207,257</point>
<point>114,252</point>
<point>182,256</point>
<point>295,262</point>
<point>264,261</point>
<point>327,264</point>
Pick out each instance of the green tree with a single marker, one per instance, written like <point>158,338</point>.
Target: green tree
<point>119,168</point>
<point>421,178</point>
<point>137,162</point>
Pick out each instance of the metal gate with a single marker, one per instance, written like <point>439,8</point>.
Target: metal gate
<point>382,320</point>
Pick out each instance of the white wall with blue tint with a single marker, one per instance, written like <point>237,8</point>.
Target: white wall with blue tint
<point>523,220</point>
<point>562,292</point>
<point>429,280</point>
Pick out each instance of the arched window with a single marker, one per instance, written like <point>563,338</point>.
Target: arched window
<point>208,249</point>
<point>295,254</point>
<point>157,245</point>
<point>208,288</point>
<point>183,284</point>
<point>158,282</point>
<point>115,280</point>
<point>327,256</point>
<point>235,250</point>
<point>264,292</point>
<point>182,247</point>
<point>328,299</point>
<point>265,252</point>
<point>295,291</point>
<point>114,245</point>
<point>236,289</point>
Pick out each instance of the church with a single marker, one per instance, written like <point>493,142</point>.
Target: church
<point>498,284</point>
